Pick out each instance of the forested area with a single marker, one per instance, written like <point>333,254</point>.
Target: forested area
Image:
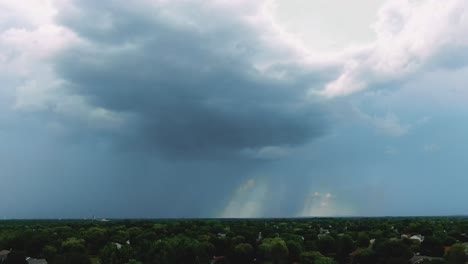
<point>275,241</point>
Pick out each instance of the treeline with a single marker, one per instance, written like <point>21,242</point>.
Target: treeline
<point>276,241</point>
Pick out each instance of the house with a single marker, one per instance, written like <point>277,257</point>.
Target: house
<point>118,245</point>
<point>217,259</point>
<point>36,261</point>
<point>371,243</point>
<point>447,249</point>
<point>420,259</point>
<point>418,238</point>
<point>4,255</point>
<point>323,232</point>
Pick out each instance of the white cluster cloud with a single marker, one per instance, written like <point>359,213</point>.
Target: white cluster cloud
<point>412,37</point>
<point>319,204</point>
<point>30,39</point>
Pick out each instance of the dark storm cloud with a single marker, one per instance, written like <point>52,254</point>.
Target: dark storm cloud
<point>187,80</point>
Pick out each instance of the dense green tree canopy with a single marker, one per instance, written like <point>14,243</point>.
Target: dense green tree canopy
<point>262,241</point>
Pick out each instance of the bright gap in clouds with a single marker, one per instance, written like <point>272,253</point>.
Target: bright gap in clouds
<point>329,25</point>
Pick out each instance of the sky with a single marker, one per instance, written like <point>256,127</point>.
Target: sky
<point>233,108</point>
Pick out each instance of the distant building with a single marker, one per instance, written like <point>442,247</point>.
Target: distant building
<point>420,259</point>
<point>371,243</point>
<point>118,245</point>
<point>323,232</point>
<point>36,261</point>
<point>447,249</point>
<point>4,255</point>
<point>417,238</point>
<point>217,259</point>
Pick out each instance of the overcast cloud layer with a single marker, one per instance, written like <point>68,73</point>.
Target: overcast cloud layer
<point>213,109</point>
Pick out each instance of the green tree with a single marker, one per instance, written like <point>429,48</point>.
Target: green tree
<point>186,250</point>
<point>394,249</point>
<point>457,254</point>
<point>279,251</point>
<point>325,260</point>
<point>112,254</point>
<point>49,252</point>
<point>74,252</point>
<point>273,249</point>
<point>264,251</point>
<point>308,257</point>
<point>242,253</point>
<point>365,256</point>
<point>295,250</point>
<point>35,241</point>
<point>95,238</point>
<point>449,241</point>
<point>160,252</point>
<point>207,249</point>
<point>345,245</point>
<point>432,247</point>
<point>238,240</point>
<point>363,240</point>
<point>72,258</point>
<point>326,245</point>
<point>73,244</point>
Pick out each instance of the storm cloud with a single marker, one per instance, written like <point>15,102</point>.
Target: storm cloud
<point>190,84</point>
